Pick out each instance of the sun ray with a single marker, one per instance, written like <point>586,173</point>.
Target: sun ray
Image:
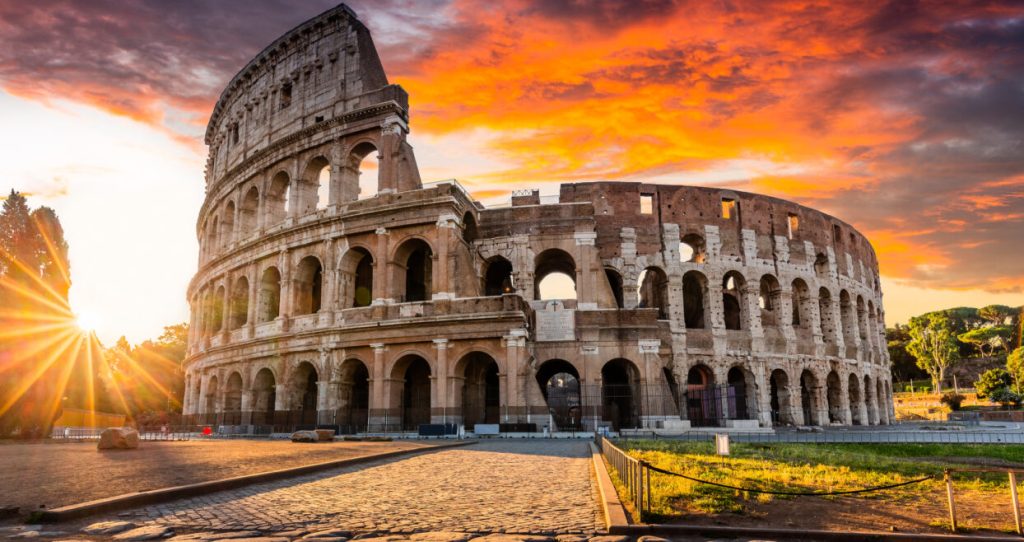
<point>58,262</point>
<point>63,304</point>
<point>141,371</point>
<point>35,349</point>
<point>64,377</point>
<point>38,371</point>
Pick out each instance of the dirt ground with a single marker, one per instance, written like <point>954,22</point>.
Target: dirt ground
<point>976,513</point>
<point>50,475</point>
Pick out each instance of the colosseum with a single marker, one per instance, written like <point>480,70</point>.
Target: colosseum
<point>371,302</point>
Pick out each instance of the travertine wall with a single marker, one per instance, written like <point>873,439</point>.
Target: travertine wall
<point>417,304</point>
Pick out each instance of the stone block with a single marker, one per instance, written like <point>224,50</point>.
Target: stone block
<point>118,438</point>
<point>325,435</point>
<point>305,436</point>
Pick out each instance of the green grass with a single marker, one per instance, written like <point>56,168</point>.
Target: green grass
<point>805,467</point>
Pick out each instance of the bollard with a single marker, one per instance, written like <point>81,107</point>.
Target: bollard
<point>1016,503</point>
<point>952,505</point>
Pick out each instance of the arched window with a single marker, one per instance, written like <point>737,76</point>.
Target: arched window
<point>276,199</point>
<point>314,186</point>
<point>692,249</point>
<point>217,316</point>
<point>411,388</point>
<point>848,317</point>
<point>620,394</point>
<point>480,389</point>
<point>827,320</point>
<point>554,275</point>
<point>264,397</point>
<point>653,291</point>
<point>498,277</point>
<point>239,310</point>
<point>305,392</point>
<point>227,225</point>
<point>703,399</point>
<point>270,295</point>
<point>733,307</point>
<point>615,283</point>
<point>211,237</point>
<point>233,395</point>
<point>308,285</point>
<point>560,384</point>
<point>357,278</point>
<point>769,299</point>
<point>415,260</point>
<point>248,212</point>
<point>354,397</point>
<point>821,266</point>
<point>695,286</point>
<point>801,304</point>
<point>360,174</point>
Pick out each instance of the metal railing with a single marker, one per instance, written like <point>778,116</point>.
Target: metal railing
<point>633,473</point>
<point>166,433</point>
<point>851,437</point>
<point>1014,501</point>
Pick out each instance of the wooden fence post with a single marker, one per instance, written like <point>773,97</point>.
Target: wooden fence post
<point>952,504</point>
<point>1016,503</point>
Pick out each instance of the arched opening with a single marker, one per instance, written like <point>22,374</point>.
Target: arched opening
<point>703,398</point>
<point>880,401</point>
<point>361,176</point>
<point>769,299</point>
<point>264,397</point>
<point>211,395</point>
<point>809,397</point>
<point>469,230</point>
<point>560,383</point>
<point>276,203</point>
<point>318,174</point>
<point>856,401</point>
<point>834,395</point>
<point>353,397</point>
<point>357,278</point>
<point>415,260</point>
<point>211,237</point>
<point>248,212</point>
<point>239,310</point>
<point>872,323</point>
<point>413,382</point>
<point>555,275</point>
<point>270,295</point>
<point>480,389</point>
<point>862,319</point>
<point>847,317</point>
<point>732,300</point>
<point>309,278</point>
<point>742,394</point>
<point>653,291</point>
<point>615,283</point>
<point>870,401</point>
<point>620,394</point>
<point>692,249</point>
<point>825,315</point>
<point>821,266</point>
<point>498,277</point>
<point>305,393</point>
<point>233,400</point>
<point>227,225</point>
<point>217,314</point>
<point>695,287</point>
<point>802,308</point>
<point>782,408</point>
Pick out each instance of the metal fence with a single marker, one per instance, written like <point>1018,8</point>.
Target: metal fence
<point>634,475</point>
<point>166,433</point>
<point>851,437</point>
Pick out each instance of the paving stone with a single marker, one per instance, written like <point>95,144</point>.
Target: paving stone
<point>108,527</point>
<point>214,536</point>
<point>571,538</point>
<point>146,532</point>
<point>650,538</point>
<point>329,533</point>
<point>442,536</point>
<point>514,538</point>
<point>611,538</point>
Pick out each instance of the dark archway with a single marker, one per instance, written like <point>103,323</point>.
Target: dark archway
<point>853,383</point>
<point>554,275</point>
<point>834,396</point>
<point>703,398</point>
<point>305,393</point>
<point>416,261</point>
<point>309,278</point>
<point>782,406</point>
<point>357,278</point>
<point>248,213</point>
<point>695,287</point>
<point>480,389</point>
<point>808,397</point>
<point>414,374</point>
<point>733,300</point>
<point>270,295</point>
<point>615,283</point>
<point>560,383</point>
<point>498,277</point>
<point>653,291</point>
<point>353,397</point>
<point>238,313</point>
<point>620,394</point>
<point>233,400</point>
<point>742,394</point>
<point>264,397</point>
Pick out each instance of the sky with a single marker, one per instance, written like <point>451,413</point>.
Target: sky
<point>905,119</point>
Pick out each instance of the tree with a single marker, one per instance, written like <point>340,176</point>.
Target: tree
<point>904,366</point>
<point>991,381</point>
<point>990,337</point>
<point>997,315</point>
<point>933,342</point>
<point>1015,367</point>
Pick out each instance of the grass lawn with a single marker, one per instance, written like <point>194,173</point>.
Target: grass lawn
<point>822,467</point>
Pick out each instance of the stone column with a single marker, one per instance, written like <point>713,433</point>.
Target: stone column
<point>784,318</point>
<point>763,393</point>
<point>440,401</point>
<point>590,403</point>
<point>393,131</point>
<point>254,299</point>
<point>586,296</point>
<point>845,411</point>
<point>862,407</point>
<point>281,397</point>
<point>513,407</point>
<point>442,288</point>
<point>247,396</point>
<point>750,293</point>
<point>820,397</point>
<point>323,395</point>
<point>382,270</point>
<point>378,400</point>
<point>714,319</point>
<point>796,405</point>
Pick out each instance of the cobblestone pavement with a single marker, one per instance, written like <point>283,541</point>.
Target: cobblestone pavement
<point>496,486</point>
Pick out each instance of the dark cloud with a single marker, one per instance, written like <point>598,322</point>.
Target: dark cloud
<point>603,14</point>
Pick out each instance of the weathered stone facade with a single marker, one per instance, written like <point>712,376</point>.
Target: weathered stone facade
<point>417,304</point>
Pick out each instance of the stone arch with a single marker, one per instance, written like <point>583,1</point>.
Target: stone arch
<point>769,299</point>
<point>358,184</point>
<point>270,295</point>
<point>238,312</point>
<point>233,396</point>
<point>802,304</point>
<point>560,384</point>
<point>620,394</point>
<point>227,225</point>
<point>356,268</point>
<point>217,310</point>
<point>212,237</point>
<point>470,231</point>
<point>703,402</point>
<point>211,395</point>
<point>741,393</point>
<point>479,394</point>
<point>498,276</point>
<point>695,300</point>
<point>692,248</point>
<point>862,319</point>
<point>856,400</point>
<point>411,390</point>
<point>353,396</point>
<point>304,392</point>
<point>781,402</point>
<point>653,291</point>
<point>308,284</point>
<point>826,316</point>
<point>551,264</point>
<point>809,397</point>
<point>847,317</point>
<point>275,199</point>
<point>880,399</point>
<point>314,187</point>
<point>821,266</point>
<point>834,396</point>
<point>734,306</point>
<point>264,396</point>
<point>615,283</point>
<point>248,212</point>
<point>870,401</point>
<point>414,262</point>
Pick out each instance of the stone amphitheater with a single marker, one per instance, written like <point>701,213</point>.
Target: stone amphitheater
<point>333,293</point>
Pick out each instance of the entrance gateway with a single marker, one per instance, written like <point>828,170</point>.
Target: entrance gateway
<point>334,288</point>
